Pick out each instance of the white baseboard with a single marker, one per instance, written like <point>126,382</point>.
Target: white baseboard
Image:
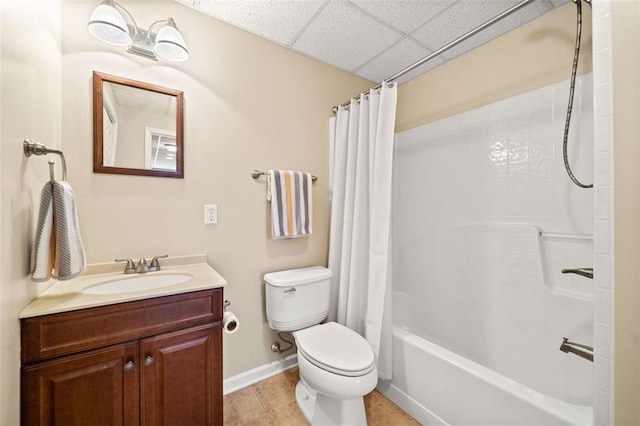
<point>254,375</point>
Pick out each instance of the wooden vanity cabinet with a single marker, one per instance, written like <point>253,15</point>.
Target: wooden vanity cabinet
<point>164,369</point>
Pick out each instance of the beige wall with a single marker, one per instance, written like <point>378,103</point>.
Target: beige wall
<point>249,104</point>
<point>30,108</point>
<point>535,55</point>
<point>626,135</point>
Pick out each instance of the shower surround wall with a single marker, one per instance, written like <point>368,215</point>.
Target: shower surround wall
<point>471,272</point>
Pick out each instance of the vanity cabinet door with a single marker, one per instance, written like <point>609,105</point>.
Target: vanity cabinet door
<point>181,377</point>
<point>98,387</point>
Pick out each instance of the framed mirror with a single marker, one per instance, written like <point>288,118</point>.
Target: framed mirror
<point>137,128</point>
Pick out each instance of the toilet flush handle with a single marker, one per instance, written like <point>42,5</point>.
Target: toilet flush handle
<point>290,290</point>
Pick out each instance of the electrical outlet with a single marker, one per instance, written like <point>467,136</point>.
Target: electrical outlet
<point>210,214</point>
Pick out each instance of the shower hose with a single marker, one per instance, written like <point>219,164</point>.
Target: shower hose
<point>572,86</point>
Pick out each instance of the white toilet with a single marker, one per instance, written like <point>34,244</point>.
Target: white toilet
<point>337,365</point>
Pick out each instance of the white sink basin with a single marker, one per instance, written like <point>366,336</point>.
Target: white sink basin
<point>138,283</point>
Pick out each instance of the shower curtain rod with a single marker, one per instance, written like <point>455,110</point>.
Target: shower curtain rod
<point>444,48</point>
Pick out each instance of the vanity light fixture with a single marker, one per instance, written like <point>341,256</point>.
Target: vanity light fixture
<point>108,24</point>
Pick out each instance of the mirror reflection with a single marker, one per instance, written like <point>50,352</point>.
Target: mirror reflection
<point>137,128</point>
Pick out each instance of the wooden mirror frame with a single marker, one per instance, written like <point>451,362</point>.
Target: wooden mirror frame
<point>98,131</point>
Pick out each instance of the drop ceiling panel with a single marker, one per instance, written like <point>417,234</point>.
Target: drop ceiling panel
<point>406,15</point>
<point>372,38</point>
<point>344,36</point>
<point>280,21</point>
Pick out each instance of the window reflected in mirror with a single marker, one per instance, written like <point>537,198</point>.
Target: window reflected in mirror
<point>159,149</point>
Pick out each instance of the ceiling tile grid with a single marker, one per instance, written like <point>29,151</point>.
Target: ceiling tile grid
<point>373,38</point>
<point>344,36</point>
<point>280,21</point>
<point>394,59</point>
<point>405,15</point>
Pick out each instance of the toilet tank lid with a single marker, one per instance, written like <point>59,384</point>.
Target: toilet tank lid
<point>299,276</point>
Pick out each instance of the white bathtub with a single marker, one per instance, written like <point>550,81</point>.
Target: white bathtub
<point>479,300</point>
<point>439,387</point>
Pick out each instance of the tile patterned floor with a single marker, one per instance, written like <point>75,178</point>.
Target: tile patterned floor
<point>272,402</point>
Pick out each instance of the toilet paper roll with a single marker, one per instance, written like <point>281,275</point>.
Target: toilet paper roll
<point>230,323</point>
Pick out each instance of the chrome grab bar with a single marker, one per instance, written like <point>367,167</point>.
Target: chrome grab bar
<point>585,272</point>
<point>576,349</point>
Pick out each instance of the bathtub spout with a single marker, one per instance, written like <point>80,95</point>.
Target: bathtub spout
<point>577,349</point>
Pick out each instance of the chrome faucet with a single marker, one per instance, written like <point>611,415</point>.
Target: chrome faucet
<point>143,267</point>
<point>577,349</point>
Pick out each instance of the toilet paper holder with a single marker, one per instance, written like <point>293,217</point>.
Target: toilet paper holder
<point>230,323</point>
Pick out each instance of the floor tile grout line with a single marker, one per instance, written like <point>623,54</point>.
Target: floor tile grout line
<point>264,410</point>
<point>264,407</point>
<point>271,414</point>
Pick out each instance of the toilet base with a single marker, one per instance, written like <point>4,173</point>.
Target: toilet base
<point>306,399</point>
<point>320,409</point>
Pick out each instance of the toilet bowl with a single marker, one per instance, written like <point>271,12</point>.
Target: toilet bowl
<point>337,365</point>
<point>337,368</point>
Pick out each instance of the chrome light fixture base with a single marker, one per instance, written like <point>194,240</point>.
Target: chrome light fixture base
<point>109,25</point>
<point>142,44</point>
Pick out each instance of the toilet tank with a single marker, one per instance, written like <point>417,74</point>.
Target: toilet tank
<point>297,298</point>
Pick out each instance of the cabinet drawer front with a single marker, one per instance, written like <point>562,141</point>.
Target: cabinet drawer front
<point>68,332</point>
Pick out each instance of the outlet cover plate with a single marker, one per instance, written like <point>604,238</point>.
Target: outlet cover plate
<point>210,214</point>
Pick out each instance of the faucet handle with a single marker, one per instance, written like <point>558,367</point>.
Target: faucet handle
<point>155,265</point>
<point>129,268</point>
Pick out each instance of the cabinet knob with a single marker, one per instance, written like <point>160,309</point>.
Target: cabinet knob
<point>148,361</point>
<point>129,366</point>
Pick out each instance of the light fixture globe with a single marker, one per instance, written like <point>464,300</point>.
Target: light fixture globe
<point>108,25</point>
<point>169,43</point>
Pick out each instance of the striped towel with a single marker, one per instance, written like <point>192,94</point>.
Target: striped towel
<point>58,251</point>
<point>291,203</point>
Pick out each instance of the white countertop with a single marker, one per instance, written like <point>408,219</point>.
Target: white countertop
<point>64,296</point>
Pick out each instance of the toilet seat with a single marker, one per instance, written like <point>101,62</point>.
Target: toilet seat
<point>337,349</point>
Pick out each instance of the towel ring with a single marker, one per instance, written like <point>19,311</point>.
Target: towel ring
<point>36,148</point>
<point>257,173</point>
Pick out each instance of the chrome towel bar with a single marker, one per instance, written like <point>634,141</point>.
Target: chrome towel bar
<point>257,173</point>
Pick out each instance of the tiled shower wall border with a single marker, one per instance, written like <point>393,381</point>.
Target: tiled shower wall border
<point>603,215</point>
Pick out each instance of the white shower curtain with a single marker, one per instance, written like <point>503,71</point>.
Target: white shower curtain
<point>360,241</point>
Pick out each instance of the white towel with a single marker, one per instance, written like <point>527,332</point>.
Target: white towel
<point>42,257</point>
<point>58,251</point>
<point>291,203</point>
